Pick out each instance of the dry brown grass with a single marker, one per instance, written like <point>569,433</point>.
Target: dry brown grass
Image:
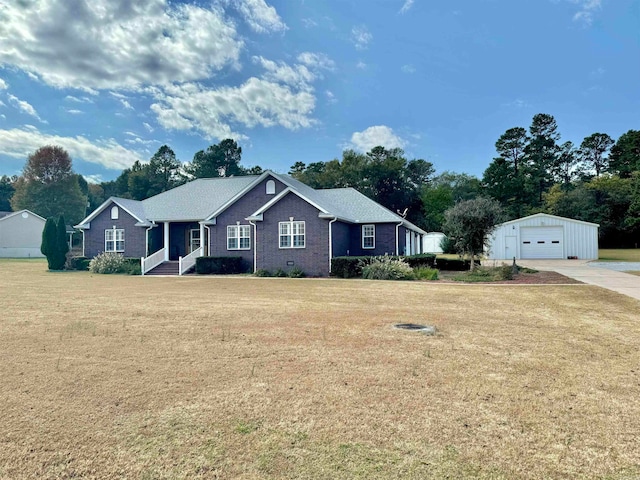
<point>116,376</point>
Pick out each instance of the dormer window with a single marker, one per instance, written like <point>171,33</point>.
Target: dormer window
<point>271,187</point>
<point>114,213</point>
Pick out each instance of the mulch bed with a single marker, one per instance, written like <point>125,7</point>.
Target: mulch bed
<point>538,278</point>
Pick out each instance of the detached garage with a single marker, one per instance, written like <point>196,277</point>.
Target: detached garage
<point>544,236</point>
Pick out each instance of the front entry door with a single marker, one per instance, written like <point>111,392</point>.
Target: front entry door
<point>510,247</point>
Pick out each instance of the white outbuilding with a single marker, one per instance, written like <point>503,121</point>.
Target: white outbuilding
<point>431,242</point>
<point>544,236</point>
<point>21,234</point>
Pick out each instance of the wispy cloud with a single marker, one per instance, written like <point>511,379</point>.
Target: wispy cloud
<point>406,6</point>
<point>361,37</point>
<point>408,68</point>
<point>587,10</point>
<point>24,107</point>
<point>3,84</point>
<point>71,98</point>
<point>74,111</point>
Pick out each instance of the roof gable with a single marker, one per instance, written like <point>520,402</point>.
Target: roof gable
<point>548,215</point>
<point>8,215</point>
<point>132,207</point>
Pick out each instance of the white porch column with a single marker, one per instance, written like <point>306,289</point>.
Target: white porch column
<point>204,245</point>
<point>166,241</point>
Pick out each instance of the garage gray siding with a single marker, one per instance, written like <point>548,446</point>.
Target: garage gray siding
<point>579,239</point>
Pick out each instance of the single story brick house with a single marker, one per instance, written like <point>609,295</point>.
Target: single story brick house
<point>271,220</point>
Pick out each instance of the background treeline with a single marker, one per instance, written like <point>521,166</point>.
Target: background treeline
<point>533,171</point>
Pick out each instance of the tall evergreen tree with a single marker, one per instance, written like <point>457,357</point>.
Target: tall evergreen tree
<point>625,154</point>
<point>593,152</point>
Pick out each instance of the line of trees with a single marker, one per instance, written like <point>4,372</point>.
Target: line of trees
<point>597,181</point>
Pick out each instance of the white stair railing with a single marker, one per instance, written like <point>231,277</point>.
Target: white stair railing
<point>185,263</point>
<point>152,261</point>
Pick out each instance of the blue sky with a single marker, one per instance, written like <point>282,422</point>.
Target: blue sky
<point>301,80</point>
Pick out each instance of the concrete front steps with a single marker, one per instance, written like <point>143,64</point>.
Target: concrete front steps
<point>165,268</point>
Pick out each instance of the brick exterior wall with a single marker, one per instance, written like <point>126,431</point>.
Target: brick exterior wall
<point>341,233</point>
<point>385,240</point>
<point>314,258</point>
<point>134,237</point>
<point>248,204</point>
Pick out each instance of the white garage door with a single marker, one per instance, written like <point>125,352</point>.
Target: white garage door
<point>541,242</point>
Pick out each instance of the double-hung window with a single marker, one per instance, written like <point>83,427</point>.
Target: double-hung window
<point>368,236</point>
<point>238,237</point>
<point>292,234</point>
<point>114,240</point>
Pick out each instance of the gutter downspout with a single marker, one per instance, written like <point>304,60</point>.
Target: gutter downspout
<point>397,241</point>
<point>255,246</point>
<point>331,243</point>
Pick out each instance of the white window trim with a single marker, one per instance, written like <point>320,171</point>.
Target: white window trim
<point>238,237</point>
<point>271,187</point>
<point>369,236</point>
<point>115,212</point>
<point>291,234</point>
<point>114,240</point>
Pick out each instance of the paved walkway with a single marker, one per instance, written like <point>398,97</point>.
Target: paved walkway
<point>596,274</point>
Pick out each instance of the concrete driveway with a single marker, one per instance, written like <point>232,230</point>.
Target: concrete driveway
<point>596,274</point>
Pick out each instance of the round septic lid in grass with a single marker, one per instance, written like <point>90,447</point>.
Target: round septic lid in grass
<point>415,327</point>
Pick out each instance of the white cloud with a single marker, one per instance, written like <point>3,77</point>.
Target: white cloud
<point>118,43</point>
<point>24,107</point>
<point>20,142</point>
<point>361,65</point>
<point>309,22</point>
<point>3,84</point>
<point>331,98</point>
<point>126,104</point>
<point>517,103</point>
<point>587,10</point>
<point>361,37</point>
<point>406,6</point>
<point>298,76</point>
<point>317,61</point>
<point>376,136</point>
<point>257,102</point>
<point>71,98</point>
<point>93,178</point>
<point>262,18</point>
<point>74,111</point>
<point>148,127</point>
<point>408,69</point>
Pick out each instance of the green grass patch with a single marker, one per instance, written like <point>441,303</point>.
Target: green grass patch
<point>619,254</point>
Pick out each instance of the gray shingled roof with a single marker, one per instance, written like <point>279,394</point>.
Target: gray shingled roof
<point>195,200</point>
<point>200,198</point>
<point>135,207</point>
<point>348,204</point>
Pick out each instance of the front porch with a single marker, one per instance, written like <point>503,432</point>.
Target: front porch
<point>174,244</point>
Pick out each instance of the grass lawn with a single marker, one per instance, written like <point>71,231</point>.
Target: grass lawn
<point>619,255</point>
<point>250,378</point>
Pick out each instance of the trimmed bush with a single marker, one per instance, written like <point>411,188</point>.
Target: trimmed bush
<point>423,273</point>
<point>107,262</point>
<point>426,260</point>
<point>78,263</point>
<point>279,273</point>
<point>348,267</point>
<point>219,265</point>
<point>132,266</point>
<point>387,268</point>
<point>262,273</point>
<point>453,264</point>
